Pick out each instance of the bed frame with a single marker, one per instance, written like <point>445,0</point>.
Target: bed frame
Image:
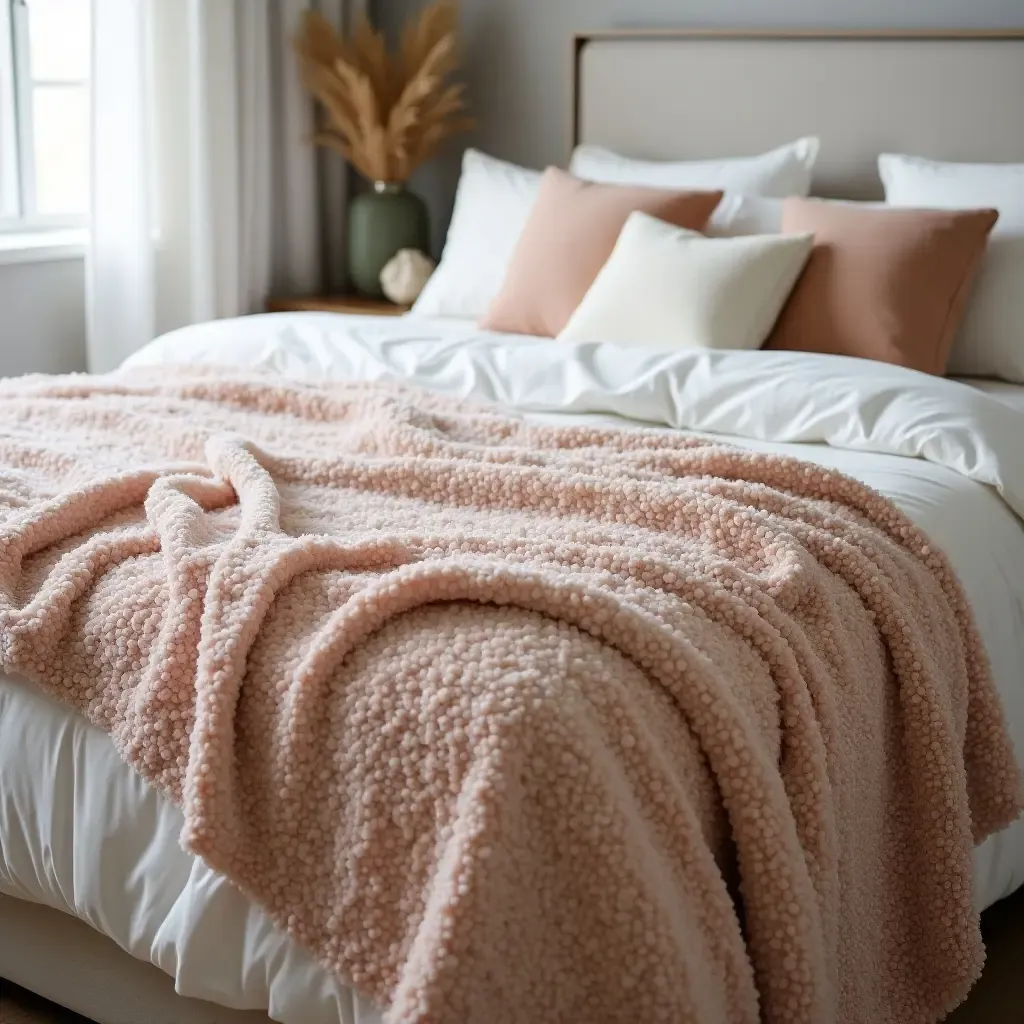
<point>944,95</point>
<point>660,93</point>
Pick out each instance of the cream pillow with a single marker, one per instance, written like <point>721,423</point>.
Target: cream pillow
<point>669,287</point>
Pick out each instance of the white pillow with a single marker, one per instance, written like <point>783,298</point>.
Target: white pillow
<point>785,171</point>
<point>494,199</point>
<point>990,342</point>
<point>745,215</point>
<point>668,287</point>
<point>492,203</point>
<point>754,215</point>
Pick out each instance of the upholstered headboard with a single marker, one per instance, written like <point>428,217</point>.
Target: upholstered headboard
<point>702,94</point>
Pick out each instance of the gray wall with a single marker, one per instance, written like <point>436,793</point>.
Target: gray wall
<point>42,317</point>
<point>517,58</point>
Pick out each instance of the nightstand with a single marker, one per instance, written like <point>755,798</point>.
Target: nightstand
<point>353,304</point>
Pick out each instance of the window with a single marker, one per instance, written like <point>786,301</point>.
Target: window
<point>44,113</point>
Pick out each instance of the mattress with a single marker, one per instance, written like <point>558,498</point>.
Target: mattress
<point>96,979</point>
<point>81,833</point>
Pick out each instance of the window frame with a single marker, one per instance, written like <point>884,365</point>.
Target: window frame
<point>10,169</point>
<point>18,209</point>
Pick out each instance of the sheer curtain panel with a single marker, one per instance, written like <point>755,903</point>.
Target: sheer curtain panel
<point>206,194</point>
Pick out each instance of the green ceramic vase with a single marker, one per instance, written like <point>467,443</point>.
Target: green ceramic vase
<point>380,222</point>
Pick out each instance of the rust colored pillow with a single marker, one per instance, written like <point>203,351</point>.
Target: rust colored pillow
<point>885,284</point>
<point>569,235</point>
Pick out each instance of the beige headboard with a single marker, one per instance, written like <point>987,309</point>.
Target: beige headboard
<point>702,94</point>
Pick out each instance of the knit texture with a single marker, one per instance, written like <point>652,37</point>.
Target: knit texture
<point>509,722</point>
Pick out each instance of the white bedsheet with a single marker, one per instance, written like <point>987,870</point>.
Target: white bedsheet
<point>80,832</point>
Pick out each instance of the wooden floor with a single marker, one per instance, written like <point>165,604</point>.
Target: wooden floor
<point>997,999</point>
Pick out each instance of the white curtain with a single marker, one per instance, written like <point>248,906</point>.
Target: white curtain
<point>206,195</point>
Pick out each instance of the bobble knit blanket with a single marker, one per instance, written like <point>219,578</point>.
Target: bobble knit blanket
<point>517,723</point>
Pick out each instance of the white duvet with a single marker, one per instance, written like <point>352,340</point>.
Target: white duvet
<point>80,832</point>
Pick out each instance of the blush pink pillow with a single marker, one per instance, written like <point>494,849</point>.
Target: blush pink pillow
<point>884,284</point>
<point>568,236</point>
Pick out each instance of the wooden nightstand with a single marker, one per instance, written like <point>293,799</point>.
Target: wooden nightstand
<point>353,304</point>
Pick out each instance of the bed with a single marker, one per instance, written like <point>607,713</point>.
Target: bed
<point>81,834</point>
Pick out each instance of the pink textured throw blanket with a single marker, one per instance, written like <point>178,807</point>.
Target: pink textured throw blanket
<point>517,723</point>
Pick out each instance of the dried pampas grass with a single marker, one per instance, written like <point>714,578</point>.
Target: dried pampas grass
<point>387,113</point>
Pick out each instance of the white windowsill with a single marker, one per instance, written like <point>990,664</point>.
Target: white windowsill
<point>42,246</point>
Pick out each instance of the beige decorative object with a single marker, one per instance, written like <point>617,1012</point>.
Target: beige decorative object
<point>405,275</point>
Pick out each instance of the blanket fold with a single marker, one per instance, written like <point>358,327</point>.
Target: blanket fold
<point>509,722</point>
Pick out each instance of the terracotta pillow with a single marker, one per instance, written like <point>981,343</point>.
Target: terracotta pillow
<point>885,284</point>
<point>569,235</point>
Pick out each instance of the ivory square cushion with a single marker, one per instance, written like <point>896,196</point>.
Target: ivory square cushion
<point>667,286</point>
<point>881,283</point>
<point>990,341</point>
<point>572,230</point>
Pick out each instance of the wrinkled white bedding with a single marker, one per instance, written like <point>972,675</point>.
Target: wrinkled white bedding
<point>80,832</point>
<point>853,404</point>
